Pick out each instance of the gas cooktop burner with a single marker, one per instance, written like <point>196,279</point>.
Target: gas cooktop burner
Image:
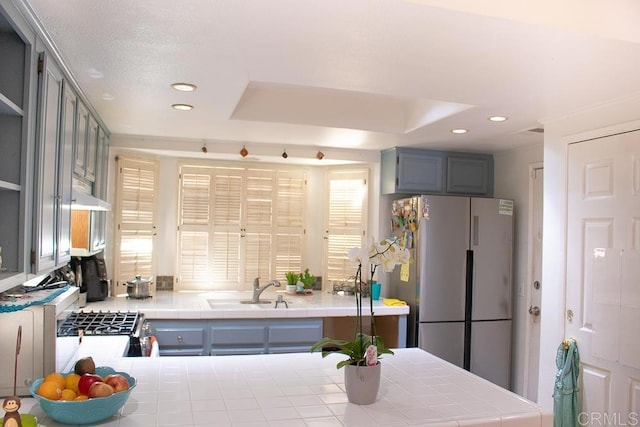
<point>99,323</point>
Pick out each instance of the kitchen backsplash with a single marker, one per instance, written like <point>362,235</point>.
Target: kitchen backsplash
<point>164,283</point>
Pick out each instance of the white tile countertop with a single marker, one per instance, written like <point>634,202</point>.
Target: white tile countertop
<point>303,389</point>
<point>225,305</point>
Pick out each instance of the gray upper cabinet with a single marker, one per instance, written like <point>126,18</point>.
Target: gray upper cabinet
<point>85,146</point>
<point>17,95</point>
<point>41,119</point>
<point>80,142</point>
<point>102,157</point>
<point>416,171</point>
<point>91,150</point>
<point>470,174</point>
<point>410,170</point>
<point>51,248</point>
<point>65,167</point>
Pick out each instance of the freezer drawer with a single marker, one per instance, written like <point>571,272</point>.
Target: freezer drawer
<point>491,351</point>
<point>445,340</point>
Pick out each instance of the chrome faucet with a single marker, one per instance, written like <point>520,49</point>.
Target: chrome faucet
<point>257,290</point>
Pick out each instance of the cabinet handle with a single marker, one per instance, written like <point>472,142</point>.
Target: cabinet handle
<point>180,338</point>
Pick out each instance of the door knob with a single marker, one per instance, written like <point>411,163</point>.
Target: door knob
<point>534,310</point>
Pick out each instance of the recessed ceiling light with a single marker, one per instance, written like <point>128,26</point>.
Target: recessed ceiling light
<point>184,87</point>
<point>182,107</point>
<point>497,118</point>
<point>95,74</point>
<point>459,131</point>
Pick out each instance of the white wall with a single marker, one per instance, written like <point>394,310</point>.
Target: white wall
<point>608,119</point>
<point>512,182</point>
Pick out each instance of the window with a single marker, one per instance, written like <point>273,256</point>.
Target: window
<point>346,220</point>
<point>236,224</point>
<point>135,218</point>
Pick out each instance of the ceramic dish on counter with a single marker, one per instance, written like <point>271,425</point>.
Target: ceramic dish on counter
<point>87,411</point>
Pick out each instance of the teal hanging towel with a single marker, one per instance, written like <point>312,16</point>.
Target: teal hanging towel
<point>565,393</point>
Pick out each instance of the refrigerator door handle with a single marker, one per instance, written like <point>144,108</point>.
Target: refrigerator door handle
<point>476,222</point>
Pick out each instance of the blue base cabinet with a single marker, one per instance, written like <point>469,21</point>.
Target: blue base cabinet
<point>218,337</point>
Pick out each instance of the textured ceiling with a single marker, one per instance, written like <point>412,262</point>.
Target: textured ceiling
<point>357,74</point>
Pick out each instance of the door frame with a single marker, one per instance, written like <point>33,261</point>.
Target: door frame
<point>530,269</point>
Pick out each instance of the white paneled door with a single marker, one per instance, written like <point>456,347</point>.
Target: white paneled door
<point>603,288</point>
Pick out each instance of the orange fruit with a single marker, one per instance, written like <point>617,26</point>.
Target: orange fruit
<point>71,382</point>
<point>56,378</point>
<point>67,394</point>
<point>50,390</point>
<point>81,397</point>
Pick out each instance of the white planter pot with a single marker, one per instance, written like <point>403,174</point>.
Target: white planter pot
<point>290,289</point>
<point>362,383</point>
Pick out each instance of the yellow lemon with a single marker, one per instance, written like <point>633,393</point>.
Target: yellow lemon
<point>67,394</point>
<point>71,382</point>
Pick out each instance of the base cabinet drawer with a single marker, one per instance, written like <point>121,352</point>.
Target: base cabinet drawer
<point>237,337</point>
<point>294,336</point>
<point>180,338</point>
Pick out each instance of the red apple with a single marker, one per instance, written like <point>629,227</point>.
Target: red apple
<point>85,382</point>
<point>117,381</point>
<point>100,389</point>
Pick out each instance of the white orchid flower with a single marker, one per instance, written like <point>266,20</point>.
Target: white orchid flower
<point>386,253</point>
<point>358,255</point>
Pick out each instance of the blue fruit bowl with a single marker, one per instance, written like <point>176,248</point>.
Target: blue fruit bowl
<point>85,411</point>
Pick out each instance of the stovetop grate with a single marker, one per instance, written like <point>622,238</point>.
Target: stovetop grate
<point>99,323</point>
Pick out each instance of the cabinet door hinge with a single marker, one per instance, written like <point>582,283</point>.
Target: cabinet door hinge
<point>40,65</point>
<point>33,257</point>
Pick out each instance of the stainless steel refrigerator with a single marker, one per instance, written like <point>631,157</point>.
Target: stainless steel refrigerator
<point>459,284</point>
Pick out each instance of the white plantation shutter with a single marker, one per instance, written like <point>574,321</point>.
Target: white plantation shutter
<point>289,219</point>
<point>196,189</point>
<point>255,228</point>
<point>226,227</point>
<point>346,220</point>
<point>260,197</point>
<point>194,256</point>
<point>193,233</point>
<point>135,216</point>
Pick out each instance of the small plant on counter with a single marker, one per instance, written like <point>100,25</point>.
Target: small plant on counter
<point>364,350</point>
<point>307,279</point>
<point>292,277</point>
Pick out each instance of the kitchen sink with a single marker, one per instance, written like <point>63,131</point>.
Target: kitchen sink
<point>248,301</point>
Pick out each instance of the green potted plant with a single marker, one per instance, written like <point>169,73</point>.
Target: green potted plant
<point>292,280</point>
<point>308,280</point>
<point>362,367</point>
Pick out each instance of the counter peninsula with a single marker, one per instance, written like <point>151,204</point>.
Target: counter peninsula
<point>303,389</point>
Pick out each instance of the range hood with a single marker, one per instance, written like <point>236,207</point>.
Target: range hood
<point>83,201</point>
